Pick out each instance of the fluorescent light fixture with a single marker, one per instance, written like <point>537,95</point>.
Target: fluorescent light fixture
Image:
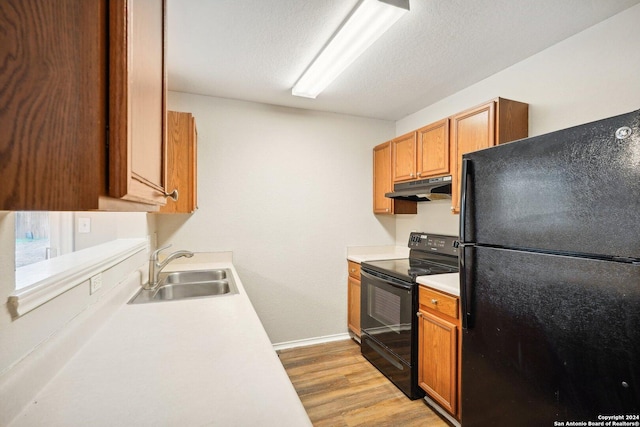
<point>364,26</point>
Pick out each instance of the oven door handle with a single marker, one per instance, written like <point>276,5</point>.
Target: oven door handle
<point>387,281</point>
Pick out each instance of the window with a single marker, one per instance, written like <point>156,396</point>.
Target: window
<point>84,244</point>
<point>42,235</point>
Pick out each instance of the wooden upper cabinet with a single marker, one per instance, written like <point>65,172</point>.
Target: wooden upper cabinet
<point>383,183</point>
<point>403,153</point>
<point>421,154</point>
<point>496,122</point>
<point>382,178</point>
<point>53,104</point>
<point>436,150</point>
<point>82,111</point>
<point>182,140</point>
<point>137,139</point>
<point>433,150</point>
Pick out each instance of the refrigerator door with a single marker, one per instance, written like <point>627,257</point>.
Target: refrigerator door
<point>550,338</point>
<point>575,190</point>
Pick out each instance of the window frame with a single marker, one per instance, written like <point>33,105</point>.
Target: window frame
<point>38,283</point>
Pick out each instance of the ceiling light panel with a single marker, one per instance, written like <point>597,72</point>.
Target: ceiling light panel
<point>364,26</point>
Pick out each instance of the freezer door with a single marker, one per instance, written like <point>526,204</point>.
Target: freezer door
<point>575,190</point>
<point>550,338</point>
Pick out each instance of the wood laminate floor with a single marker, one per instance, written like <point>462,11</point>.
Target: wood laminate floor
<point>339,387</point>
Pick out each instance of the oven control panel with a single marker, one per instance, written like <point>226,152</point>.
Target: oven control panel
<point>434,243</point>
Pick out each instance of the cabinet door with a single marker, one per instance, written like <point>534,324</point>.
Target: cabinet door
<point>437,359</point>
<point>403,152</point>
<point>137,168</point>
<point>471,130</point>
<point>497,122</point>
<point>382,183</point>
<point>354,305</point>
<point>433,150</point>
<point>382,178</point>
<point>181,162</point>
<point>53,104</point>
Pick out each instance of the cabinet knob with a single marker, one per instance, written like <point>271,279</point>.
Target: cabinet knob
<point>411,175</point>
<point>419,314</point>
<point>386,210</point>
<point>419,173</point>
<point>174,194</point>
<point>453,209</point>
<point>353,270</point>
<point>434,301</point>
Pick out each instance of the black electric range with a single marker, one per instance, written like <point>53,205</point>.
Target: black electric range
<point>389,301</point>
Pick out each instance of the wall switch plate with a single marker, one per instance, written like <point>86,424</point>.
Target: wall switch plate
<point>95,283</point>
<point>84,225</point>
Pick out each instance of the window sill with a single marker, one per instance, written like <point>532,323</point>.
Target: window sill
<point>38,283</point>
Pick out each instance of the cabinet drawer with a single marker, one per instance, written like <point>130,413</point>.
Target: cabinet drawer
<point>442,303</point>
<point>354,270</point>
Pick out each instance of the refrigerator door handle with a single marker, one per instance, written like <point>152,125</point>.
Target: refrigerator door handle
<point>466,288</point>
<point>466,170</point>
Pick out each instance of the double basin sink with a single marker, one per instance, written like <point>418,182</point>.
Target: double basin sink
<point>180,285</point>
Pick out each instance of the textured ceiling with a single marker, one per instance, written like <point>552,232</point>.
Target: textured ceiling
<point>256,50</point>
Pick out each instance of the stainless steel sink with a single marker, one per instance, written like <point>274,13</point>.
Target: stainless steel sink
<point>192,290</point>
<point>179,285</point>
<point>199,276</point>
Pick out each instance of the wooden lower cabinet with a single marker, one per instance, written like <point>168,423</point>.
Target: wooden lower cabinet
<point>439,348</point>
<point>353,298</point>
<point>354,306</point>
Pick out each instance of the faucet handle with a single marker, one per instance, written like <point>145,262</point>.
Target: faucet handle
<point>154,255</point>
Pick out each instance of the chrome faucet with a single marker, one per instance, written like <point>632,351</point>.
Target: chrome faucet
<point>156,267</point>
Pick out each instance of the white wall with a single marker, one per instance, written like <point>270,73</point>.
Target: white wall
<point>108,226</point>
<point>21,336</point>
<point>286,190</point>
<point>590,76</point>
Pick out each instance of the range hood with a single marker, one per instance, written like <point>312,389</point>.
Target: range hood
<point>423,190</point>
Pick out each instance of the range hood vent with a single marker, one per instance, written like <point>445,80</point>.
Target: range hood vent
<point>423,190</point>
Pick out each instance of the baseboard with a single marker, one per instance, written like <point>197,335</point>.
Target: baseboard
<point>310,341</point>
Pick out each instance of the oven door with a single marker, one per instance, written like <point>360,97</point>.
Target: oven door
<point>388,312</point>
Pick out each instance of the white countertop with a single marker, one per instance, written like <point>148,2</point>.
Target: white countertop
<point>179,363</point>
<point>449,282</point>
<point>361,254</point>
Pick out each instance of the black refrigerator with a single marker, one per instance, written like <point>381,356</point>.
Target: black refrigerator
<point>550,278</point>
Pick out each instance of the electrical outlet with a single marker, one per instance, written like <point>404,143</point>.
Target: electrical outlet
<point>84,225</point>
<point>95,283</point>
